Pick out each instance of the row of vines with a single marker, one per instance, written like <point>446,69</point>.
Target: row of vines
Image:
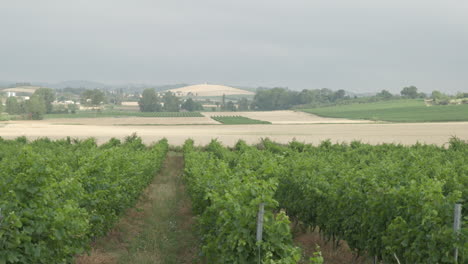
<point>57,196</point>
<point>227,197</point>
<point>390,201</point>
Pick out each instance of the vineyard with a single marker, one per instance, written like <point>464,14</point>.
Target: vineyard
<point>389,201</point>
<point>238,120</point>
<point>57,196</point>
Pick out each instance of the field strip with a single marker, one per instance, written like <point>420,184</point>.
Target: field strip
<point>408,133</point>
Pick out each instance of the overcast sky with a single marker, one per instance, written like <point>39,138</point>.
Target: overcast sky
<point>361,46</point>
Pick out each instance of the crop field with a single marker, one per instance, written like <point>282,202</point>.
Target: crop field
<point>57,196</point>
<point>383,200</point>
<point>110,113</point>
<point>386,201</point>
<point>395,111</point>
<point>238,120</point>
<point>287,117</point>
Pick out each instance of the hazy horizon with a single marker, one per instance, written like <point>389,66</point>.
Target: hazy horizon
<point>359,46</point>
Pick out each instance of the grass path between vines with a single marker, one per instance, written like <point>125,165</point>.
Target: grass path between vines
<point>158,230</point>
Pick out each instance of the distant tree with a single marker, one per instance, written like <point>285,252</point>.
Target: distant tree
<point>223,102</point>
<point>436,95</point>
<point>275,99</point>
<point>384,94</point>
<point>230,106</point>
<point>306,96</point>
<point>72,108</point>
<point>191,105</point>
<point>12,106</point>
<point>36,107</point>
<point>422,95</point>
<point>339,95</point>
<point>48,96</point>
<point>243,104</point>
<point>171,102</point>
<point>1,105</point>
<point>92,98</point>
<point>149,101</point>
<point>410,92</point>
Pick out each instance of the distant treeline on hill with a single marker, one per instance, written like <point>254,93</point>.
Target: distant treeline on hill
<point>282,98</point>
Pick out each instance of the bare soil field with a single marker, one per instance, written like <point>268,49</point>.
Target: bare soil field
<point>125,121</point>
<point>287,117</point>
<point>22,89</point>
<point>408,133</point>
<point>209,90</point>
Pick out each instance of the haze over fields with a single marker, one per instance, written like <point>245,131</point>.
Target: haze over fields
<point>359,46</point>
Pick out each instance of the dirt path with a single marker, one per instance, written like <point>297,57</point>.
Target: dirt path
<point>157,230</point>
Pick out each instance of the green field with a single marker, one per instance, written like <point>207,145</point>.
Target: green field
<point>94,114</point>
<point>395,111</point>
<point>238,120</point>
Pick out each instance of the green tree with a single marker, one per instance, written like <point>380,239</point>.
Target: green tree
<point>36,108</point>
<point>48,96</point>
<point>72,108</point>
<point>422,95</point>
<point>12,106</point>
<point>275,99</point>
<point>243,104</point>
<point>384,94</point>
<point>223,102</point>
<point>437,95</point>
<point>461,95</point>
<point>339,95</point>
<point>191,105</point>
<point>171,102</point>
<point>149,101</point>
<point>230,106</point>
<point>92,98</point>
<point>409,92</point>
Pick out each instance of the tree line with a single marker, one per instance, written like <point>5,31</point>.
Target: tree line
<point>282,98</point>
<point>41,103</point>
<point>150,101</point>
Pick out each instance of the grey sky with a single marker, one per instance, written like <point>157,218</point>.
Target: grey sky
<point>361,46</point>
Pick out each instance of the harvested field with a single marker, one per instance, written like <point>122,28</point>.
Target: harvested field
<point>126,121</point>
<point>209,90</point>
<point>408,133</point>
<point>22,89</point>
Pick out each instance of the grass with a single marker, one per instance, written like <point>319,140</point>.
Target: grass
<point>158,230</point>
<point>238,120</point>
<point>6,117</point>
<point>395,111</point>
<point>113,113</point>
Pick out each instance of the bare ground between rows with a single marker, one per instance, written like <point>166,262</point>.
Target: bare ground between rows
<point>157,230</point>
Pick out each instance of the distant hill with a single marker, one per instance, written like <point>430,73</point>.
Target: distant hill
<point>22,89</point>
<point>209,90</point>
<point>4,84</point>
<point>77,84</point>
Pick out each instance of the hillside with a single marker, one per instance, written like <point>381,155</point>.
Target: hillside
<point>209,90</point>
<point>22,89</point>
